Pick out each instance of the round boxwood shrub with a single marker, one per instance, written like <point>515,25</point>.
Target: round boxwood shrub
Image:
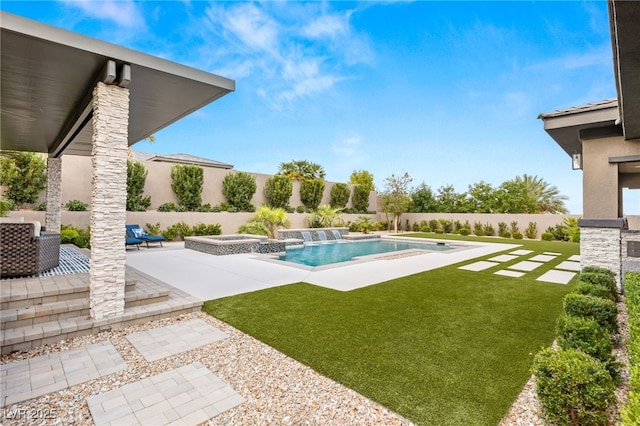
<point>573,387</point>
<point>463,231</point>
<point>603,311</point>
<point>546,236</point>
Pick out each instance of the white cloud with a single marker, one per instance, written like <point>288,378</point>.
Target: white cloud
<point>290,53</point>
<point>124,13</point>
<point>600,56</point>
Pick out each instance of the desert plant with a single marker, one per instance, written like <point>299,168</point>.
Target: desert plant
<point>546,236</point>
<point>239,188</point>
<point>502,230</point>
<point>271,219</point>
<point>514,227</point>
<point>5,206</point>
<point>153,229</point>
<point>517,235</point>
<point>186,183</point>
<point>489,230</point>
<point>532,231</point>
<point>167,207</point>
<point>136,178</point>
<point>200,229</point>
<point>340,194</point>
<point>572,229</point>
<point>433,225</point>
<point>253,228</point>
<point>573,387</point>
<point>40,207</point>
<point>311,191</point>
<point>277,191</point>
<point>464,232</point>
<point>177,231</point>
<point>364,224</point>
<point>446,225</point>
<point>23,174</point>
<point>325,216</point>
<point>76,206</point>
<point>478,229</point>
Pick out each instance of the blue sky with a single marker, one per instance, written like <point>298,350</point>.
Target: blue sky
<point>446,91</point>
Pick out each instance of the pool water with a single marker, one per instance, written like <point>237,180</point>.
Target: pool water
<point>344,251</point>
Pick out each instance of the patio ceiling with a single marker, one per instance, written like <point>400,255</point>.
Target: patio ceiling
<point>48,74</point>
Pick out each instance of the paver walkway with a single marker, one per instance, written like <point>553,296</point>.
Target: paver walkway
<point>188,395</point>
<point>56,371</point>
<point>166,341</point>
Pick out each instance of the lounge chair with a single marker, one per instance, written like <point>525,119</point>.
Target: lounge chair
<point>135,231</point>
<point>133,242</point>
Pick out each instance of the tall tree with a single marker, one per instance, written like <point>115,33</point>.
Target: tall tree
<point>480,198</point>
<point>423,200</point>
<point>364,178</point>
<point>24,175</point>
<point>396,196</point>
<point>547,197</point>
<point>449,201</point>
<point>301,170</point>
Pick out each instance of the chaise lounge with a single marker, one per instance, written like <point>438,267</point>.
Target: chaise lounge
<point>136,232</point>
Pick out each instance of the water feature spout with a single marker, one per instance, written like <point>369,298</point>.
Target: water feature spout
<point>336,234</point>
<point>322,236</point>
<point>306,236</point>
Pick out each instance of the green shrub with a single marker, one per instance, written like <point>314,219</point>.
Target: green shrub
<point>186,183</point>
<point>300,209</point>
<point>5,206</point>
<point>595,290</point>
<point>503,231</point>
<point>254,228</point>
<point>68,236</point>
<point>205,208</point>
<point>340,194</point>
<point>153,229</point>
<point>546,236</point>
<point>200,229</point>
<point>457,226</point>
<point>177,231</point>
<point>478,229</point>
<point>311,191</point>
<point>167,207</point>
<point>415,227</point>
<point>532,231</point>
<point>40,207</point>
<point>239,188</point>
<point>360,198</point>
<point>517,235</point>
<point>289,209</point>
<point>76,206</point>
<point>136,178</point>
<point>631,412</point>
<point>599,270</point>
<point>433,225</point>
<point>601,279</point>
<point>603,311</point>
<point>573,387</point>
<point>464,232</point>
<point>514,227</point>
<point>180,208</point>
<point>446,225</point>
<point>23,174</point>
<point>586,335</point>
<point>559,232</point>
<point>277,191</point>
<point>489,230</point>
<point>439,231</point>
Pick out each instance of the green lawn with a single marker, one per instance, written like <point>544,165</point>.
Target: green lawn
<point>443,347</point>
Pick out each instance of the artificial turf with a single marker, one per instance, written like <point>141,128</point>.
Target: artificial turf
<point>442,347</point>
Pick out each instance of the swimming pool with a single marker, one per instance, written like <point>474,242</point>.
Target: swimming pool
<point>344,251</point>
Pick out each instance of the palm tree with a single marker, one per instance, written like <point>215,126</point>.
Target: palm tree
<point>325,216</point>
<point>269,219</point>
<point>548,198</point>
<point>300,170</point>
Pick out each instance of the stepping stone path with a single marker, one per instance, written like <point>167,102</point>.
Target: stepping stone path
<point>188,395</point>
<point>561,274</point>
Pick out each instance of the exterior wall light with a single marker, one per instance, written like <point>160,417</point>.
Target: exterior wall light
<point>576,161</point>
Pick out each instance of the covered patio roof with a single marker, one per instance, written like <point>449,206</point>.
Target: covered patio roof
<point>47,76</point>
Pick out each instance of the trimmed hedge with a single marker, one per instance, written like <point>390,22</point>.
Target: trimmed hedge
<point>603,311</point>
<point>602,279</point>
<point>574,388</point>
<point>595,290</point>
<point>631,412</point>
<point>586,335</point>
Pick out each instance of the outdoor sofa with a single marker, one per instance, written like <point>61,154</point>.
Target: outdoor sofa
<point>25,250</point>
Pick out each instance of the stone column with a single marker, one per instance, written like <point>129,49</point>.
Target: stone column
<point>601,246</point>
<point>108,200</point>
<point>54,194</point>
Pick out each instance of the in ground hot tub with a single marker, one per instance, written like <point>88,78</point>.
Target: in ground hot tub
<point>220,245</point>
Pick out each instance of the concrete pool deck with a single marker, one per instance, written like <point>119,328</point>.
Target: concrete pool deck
<point>212,277</point>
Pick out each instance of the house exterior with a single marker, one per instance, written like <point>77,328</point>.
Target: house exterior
<point>603,140</point>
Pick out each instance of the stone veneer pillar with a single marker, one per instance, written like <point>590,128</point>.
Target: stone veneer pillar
<point>108,200</point>
<point>54,194</point>
<point>602,247</point>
